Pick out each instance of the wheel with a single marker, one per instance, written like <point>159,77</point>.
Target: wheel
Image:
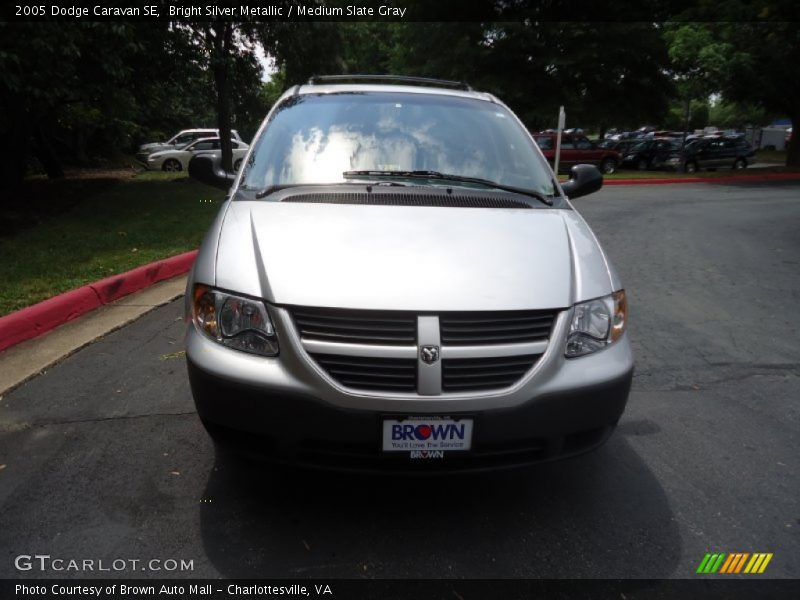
<point>740,164</point>
<point>641,164</point>
<point>608,166</point>
<point>690,167</point>
<point>237,164</point>
<point>172,165</point>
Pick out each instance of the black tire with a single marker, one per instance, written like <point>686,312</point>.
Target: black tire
<point>608,166</point>
<point>641,164</point>
<point>171,165</point>
<point>690,167</point>
<point>739,164</point>
<point>237,164</point>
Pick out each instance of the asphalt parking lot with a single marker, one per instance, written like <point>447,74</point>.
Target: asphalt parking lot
<point>104,457</point>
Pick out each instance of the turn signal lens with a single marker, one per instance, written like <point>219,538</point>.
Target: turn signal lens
<point>620,319</point>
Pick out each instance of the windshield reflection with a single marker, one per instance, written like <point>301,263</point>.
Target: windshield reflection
<point>317,140</point>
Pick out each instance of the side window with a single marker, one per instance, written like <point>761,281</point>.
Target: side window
<point>203,146</point>
<point>583,144</point>
<point>567,143</point>
<point>545,142</point>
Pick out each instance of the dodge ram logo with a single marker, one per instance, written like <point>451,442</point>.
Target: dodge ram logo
<point>429,354</point>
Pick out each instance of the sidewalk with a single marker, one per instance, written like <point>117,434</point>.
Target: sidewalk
<point>27,359</point>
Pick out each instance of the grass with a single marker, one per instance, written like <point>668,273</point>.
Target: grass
<point>59,235</point>
<point>771,156</point>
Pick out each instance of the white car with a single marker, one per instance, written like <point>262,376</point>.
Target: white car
<point>180,140</point>
<point>178,160</point>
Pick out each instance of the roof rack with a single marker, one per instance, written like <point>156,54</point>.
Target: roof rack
<point>317,79</point>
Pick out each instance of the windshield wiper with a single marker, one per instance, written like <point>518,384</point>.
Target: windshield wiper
<point>448,177</point>
<point>271,188</point>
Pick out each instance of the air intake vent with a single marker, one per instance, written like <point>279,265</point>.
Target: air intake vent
<point>476,329</point>
<point>368,373</point>
<point>401,199</point>
<point>381,328</point>
<point>474,374</point>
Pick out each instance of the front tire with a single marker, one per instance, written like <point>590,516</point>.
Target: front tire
<point>237,164</point>
<point>171,165</point>
<point>690,167</point>
<point>641,165</point>
<point>608,166</point>
<point>740,164</point>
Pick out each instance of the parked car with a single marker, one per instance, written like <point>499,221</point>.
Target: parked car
<point>178,160</point>
<point>180,140</point>
<point>622,146</point>
<point>712,153</point>
<point>650,154</point>
<point>577,149</point>
<point>397,281</point>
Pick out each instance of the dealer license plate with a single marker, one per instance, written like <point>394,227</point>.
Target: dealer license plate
<point>427,437</point>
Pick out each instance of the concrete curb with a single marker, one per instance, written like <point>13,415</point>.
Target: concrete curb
<point>40,318</point>
<point>731,179</point>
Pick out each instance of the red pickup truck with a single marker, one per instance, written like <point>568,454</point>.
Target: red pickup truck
<point>575,150</point>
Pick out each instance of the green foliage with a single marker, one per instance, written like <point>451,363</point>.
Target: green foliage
<point>126,224</point>
<point>738,115</point>
<point>699,116</point>
<point>747,50</point>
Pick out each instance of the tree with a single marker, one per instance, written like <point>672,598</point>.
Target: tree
<point>751,53</point>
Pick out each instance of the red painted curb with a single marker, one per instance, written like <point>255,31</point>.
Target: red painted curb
<point>732,179</point>
<point>40,318</point>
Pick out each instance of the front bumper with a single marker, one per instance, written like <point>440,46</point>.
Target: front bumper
<point>287,410</point>
<point>297,429</point>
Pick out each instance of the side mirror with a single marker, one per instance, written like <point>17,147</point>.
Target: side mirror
<point>205,169</point>
<point>584,179</point>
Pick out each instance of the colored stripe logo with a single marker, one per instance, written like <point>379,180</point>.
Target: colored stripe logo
<point>734,563</point>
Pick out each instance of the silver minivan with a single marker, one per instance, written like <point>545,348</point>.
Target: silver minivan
<point>397,281</point>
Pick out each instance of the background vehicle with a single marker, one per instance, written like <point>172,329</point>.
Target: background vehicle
<point>398,282</point>
<point>577,149</point>
<point>178,160</point>
<point>712,153</point>
<point>180,140</point>
<point>650,154</point>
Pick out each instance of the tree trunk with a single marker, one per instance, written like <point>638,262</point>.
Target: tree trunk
<point>793,150</point>
<point>46,155</point>
<point>221,80</point>
<point>15,151</point>
<point>222,43</point>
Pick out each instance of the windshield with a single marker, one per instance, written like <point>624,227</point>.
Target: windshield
<point>315,139</point>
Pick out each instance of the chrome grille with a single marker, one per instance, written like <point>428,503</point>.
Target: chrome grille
<point>381,350</point>
<point>393,374</point>
<point>381,328</point>
<point>480,374</point>
<point>482,328</point>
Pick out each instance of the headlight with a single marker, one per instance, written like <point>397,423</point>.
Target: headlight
<point>234,321</point>
<point>596,324</point>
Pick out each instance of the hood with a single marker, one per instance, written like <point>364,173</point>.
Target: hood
<point>408,258</point>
